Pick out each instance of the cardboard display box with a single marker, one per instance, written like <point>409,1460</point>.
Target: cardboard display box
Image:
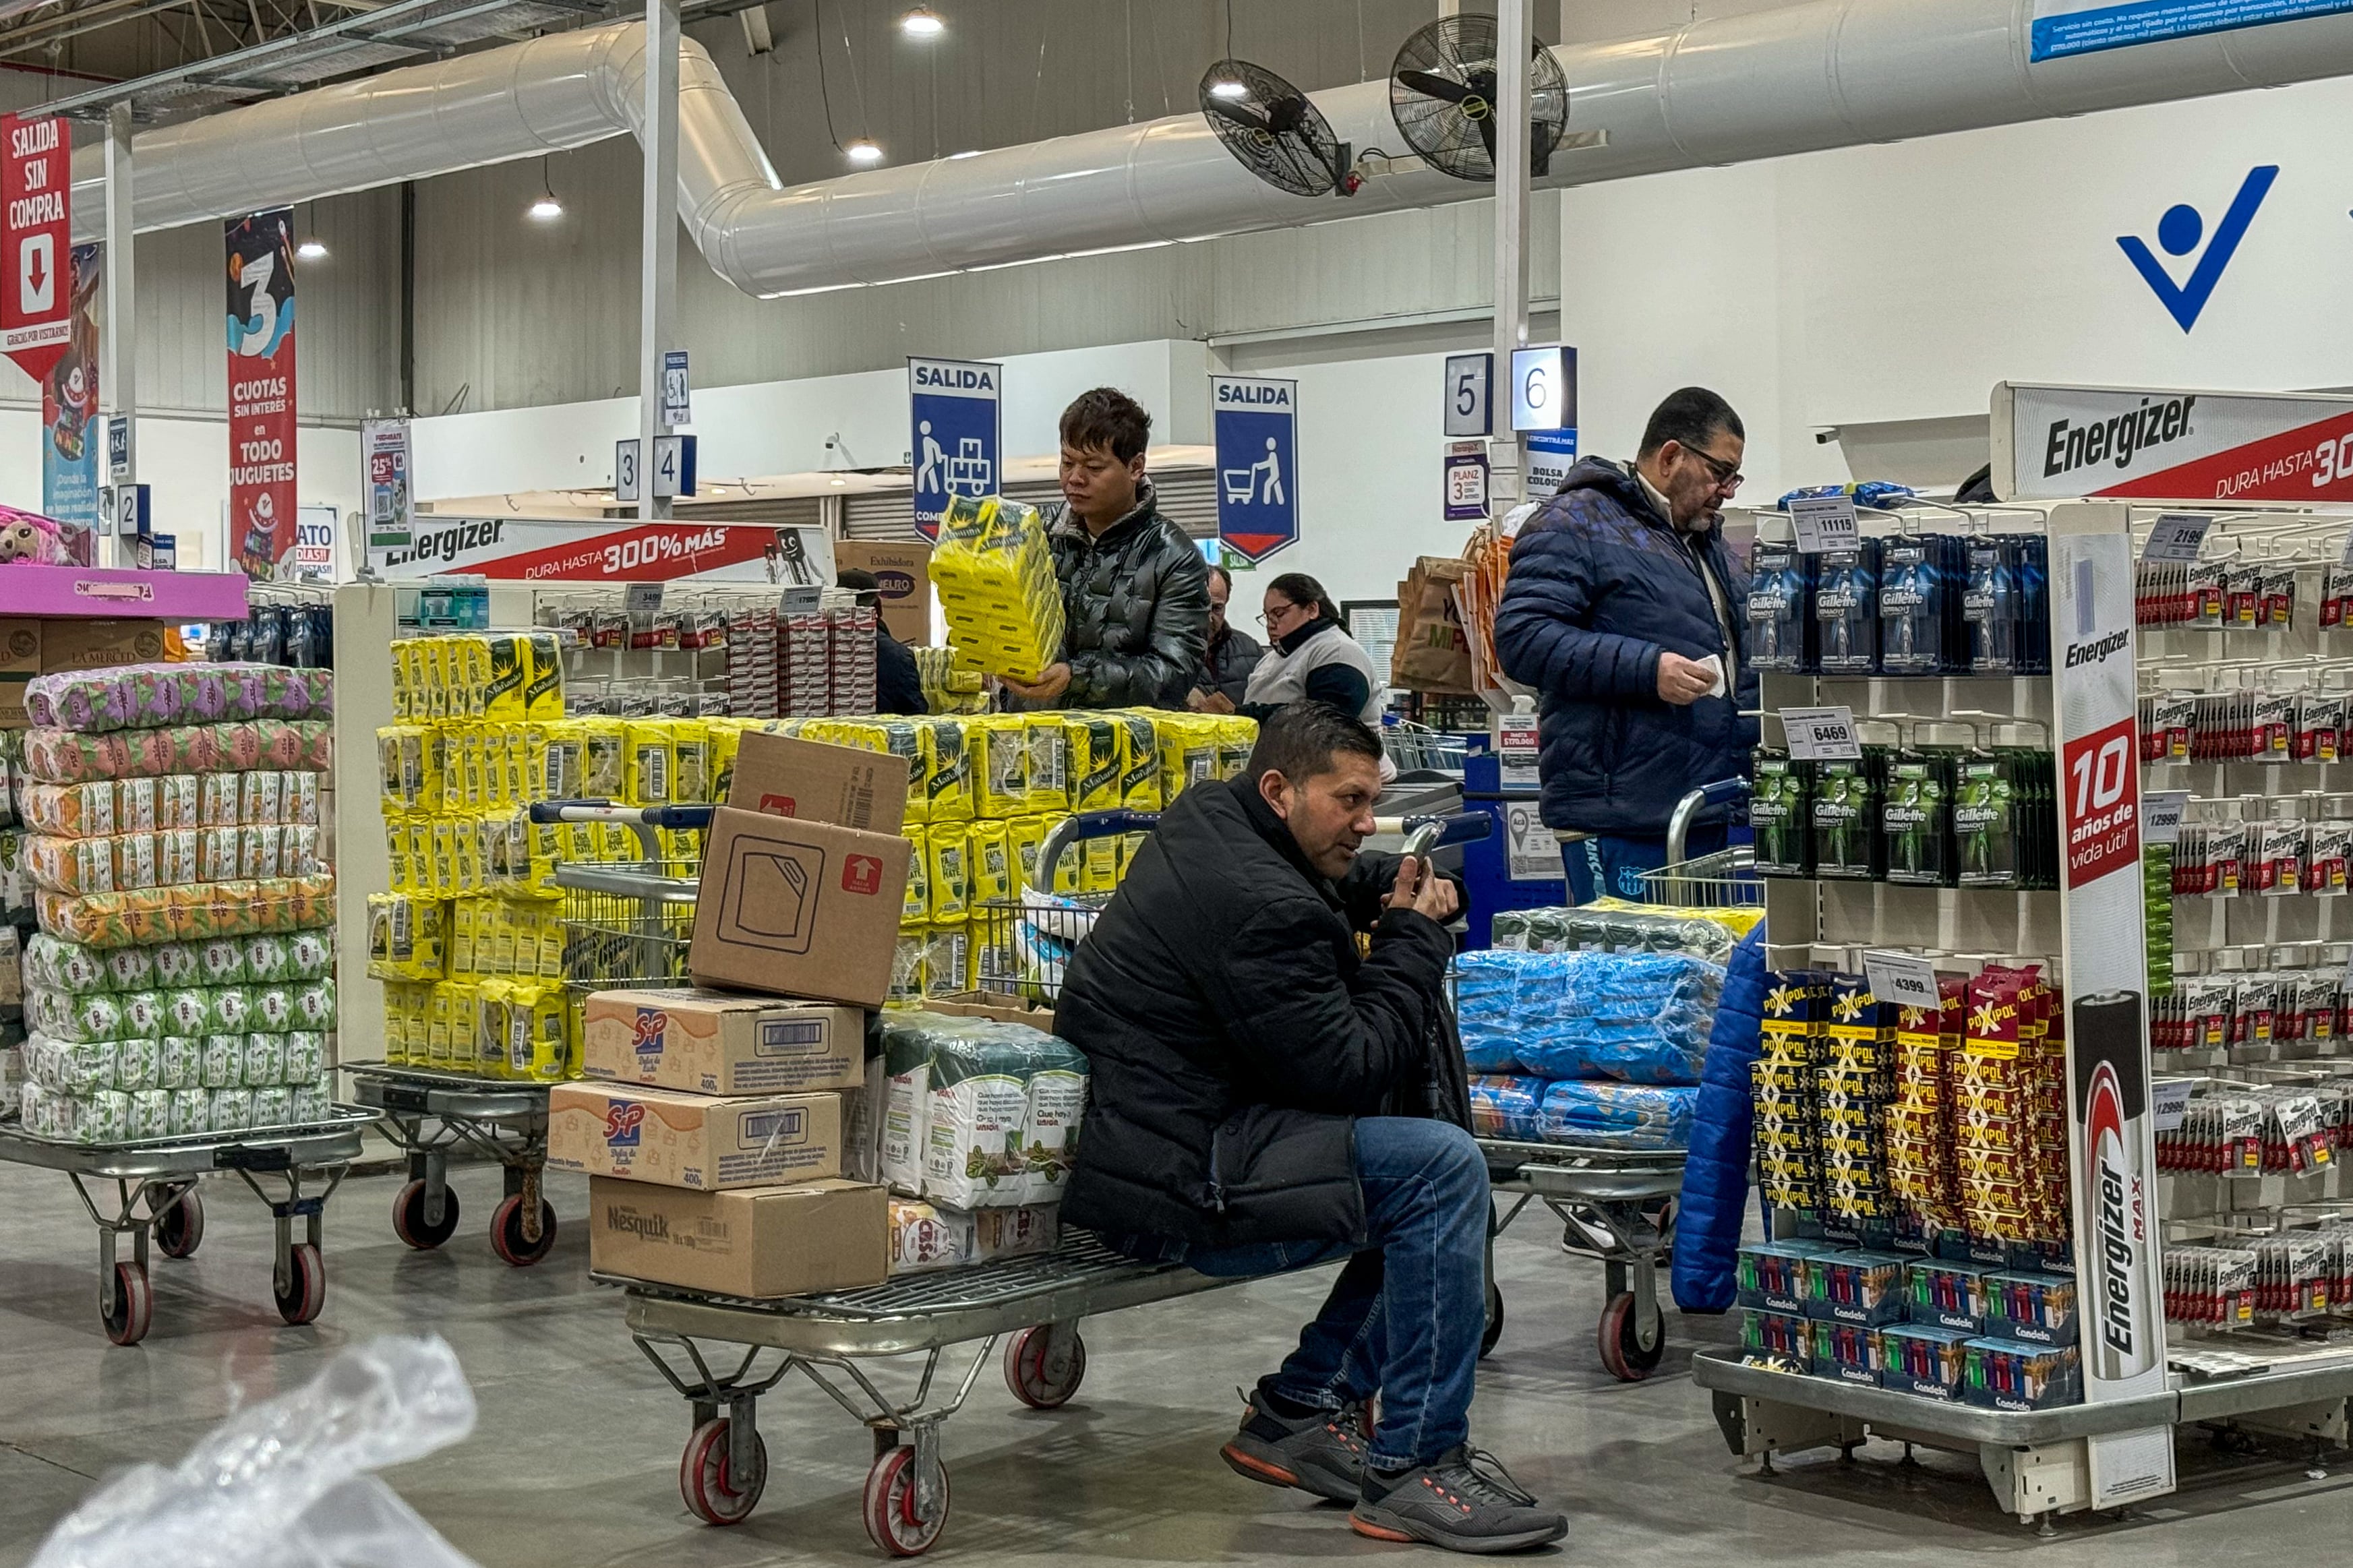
<point>95,645</point>
<point>711,1042</point>
<point>20,646</point>
<point>1003,1006</point>
<point>755,1241</point>
<point>783,776</point>
<point>663,1136</point>
<point>904,571</point>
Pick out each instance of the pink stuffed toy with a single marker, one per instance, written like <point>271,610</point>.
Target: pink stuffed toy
<point>29,536</point>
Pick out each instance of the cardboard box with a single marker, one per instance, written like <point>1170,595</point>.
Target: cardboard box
<point>676,1140</point>
<point>1003,1006</point>
<point>13,715</point>
<point>755,1241</point>
<point>904,572</point>
<point>782,775</point>
<point>94,645</point>
<point>20,646</point>
<point>800,907</point>
<point>711,1042</point>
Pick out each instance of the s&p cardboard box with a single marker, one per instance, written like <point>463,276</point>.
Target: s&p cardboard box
<point>754,1241</point>
<point>904,573</point>
<point>715,1042</point>
<point>696,1140</point>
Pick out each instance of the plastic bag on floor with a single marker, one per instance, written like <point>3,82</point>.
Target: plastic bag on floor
<point>287,1483</point>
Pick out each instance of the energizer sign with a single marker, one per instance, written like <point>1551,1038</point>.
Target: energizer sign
<point>2116,440</point>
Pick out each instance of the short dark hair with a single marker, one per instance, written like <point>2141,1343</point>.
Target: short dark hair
<point>868,586</point>
<point>1300,589</point>
<point>1689,417</point>
<point>1107,417</point>
<point>1220,572</point>
<point>1299,739</point>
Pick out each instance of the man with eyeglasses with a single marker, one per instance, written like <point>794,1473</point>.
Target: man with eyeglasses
<point>1624,611</point>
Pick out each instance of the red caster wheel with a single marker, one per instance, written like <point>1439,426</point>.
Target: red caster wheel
<point>126,1319</point>
<point>180,1229</point>
<point>702,1479</point>
<point>891,1519</point>
<point>1033,1381</point>
<point>306,1292</point>
<point>1622,1351</point>
<point>408,1216</point>
<point>506,1233</point>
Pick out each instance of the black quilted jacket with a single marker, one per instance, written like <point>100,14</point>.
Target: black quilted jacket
<point>1136,605</point>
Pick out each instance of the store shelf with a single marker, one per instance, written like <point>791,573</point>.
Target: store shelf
<point>56,591</point>
<point>1723,1371</point>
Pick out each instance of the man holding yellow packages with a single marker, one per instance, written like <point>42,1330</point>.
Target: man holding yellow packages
<point>1135,591</point>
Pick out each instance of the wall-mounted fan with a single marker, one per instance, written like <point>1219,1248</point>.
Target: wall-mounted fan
<point>1275,132</point>
<point>1444,95</point>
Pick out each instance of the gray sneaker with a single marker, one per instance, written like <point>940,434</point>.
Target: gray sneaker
<point>1323,1453</point>
<point>1463,1501</point>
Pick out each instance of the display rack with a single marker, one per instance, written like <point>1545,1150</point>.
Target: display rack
<point>2042,1462</point>
<point>61,590</point>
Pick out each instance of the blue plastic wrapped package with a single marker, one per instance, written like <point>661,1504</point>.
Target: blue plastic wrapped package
<point>1507,1107</point>
<point>1486,983</point>
<point>1640,1017</point>
<point>1617,1115</point>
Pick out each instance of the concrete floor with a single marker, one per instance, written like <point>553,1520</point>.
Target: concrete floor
<point>574,1461</point>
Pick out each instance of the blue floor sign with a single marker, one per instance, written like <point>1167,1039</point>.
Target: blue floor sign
<point>2063,27</point>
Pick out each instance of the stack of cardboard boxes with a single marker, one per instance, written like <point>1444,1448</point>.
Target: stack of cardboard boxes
<point>733,1133</point>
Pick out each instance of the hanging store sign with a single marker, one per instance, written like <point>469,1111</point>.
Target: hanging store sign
<point>2063,27</point>
<point>36,232</point>
<point>536,550</point>
<point>261,506</point>
<point>70,422</point>
<point>958,434</point>
<point>2054,443</point>
<point>391,507</point>
<point>1257,425</point>
<point>2112,1144</point>
<point>1466,480</point>
<point>1550,455</point>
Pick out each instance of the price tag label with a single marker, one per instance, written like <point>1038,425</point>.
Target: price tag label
<point>1904,979</point>
<point>1517,750</point>
<point>2176,536</point>
<point>1821,734</point>
<point>2169,1101</point>
<point>1824,523</point>
<point>642,601</point>
<point>2160,815</point>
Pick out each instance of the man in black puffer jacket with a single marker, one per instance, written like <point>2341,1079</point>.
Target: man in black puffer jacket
<point>1135,591</point>
<point>1265,1098</point>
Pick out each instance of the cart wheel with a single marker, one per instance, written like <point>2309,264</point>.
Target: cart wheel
<point>891,1519</point>
<point>702,1475</point>
<point>506,1233</point>
<point>309,1286</point>
<point>134,1304</point>
<point>182,1227</point>
<point>1025,1370</point>
<point>408,1216</point>
<point>1495,1330</point>
<point>1622,1348</point>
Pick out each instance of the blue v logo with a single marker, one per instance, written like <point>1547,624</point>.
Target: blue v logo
<point>2180,230</point>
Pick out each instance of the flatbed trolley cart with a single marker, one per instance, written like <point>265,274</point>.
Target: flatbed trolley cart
<point>1616,1204</point>
<point>433,1114</point>
<point>1034,1304</point>
<point>155,1197</point>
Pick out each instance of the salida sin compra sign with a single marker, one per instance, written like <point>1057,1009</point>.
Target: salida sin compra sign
<point>2054,443</point>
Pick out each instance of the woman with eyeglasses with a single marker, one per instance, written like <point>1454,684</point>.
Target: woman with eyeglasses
<point>1309,655</point>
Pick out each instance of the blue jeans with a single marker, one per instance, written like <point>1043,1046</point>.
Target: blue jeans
<point>1404,1318</point>
<point>1602,866</point>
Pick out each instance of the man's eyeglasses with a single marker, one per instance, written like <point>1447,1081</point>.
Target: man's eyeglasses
<point>1728,476</point>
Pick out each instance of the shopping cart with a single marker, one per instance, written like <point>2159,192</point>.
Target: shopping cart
<point>1034,1304</point>
<point>155,1196</point>
<point>433,1114</point>
<point>1722,880</point>
<point>1417,748</point>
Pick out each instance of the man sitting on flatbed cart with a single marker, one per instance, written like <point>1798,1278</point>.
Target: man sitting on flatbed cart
<point>1267,1097</point>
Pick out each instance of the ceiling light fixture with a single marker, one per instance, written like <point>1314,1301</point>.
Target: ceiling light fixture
<point>923,22</point>
<point>546,209</point>
<point>311,248</point>
<point>862,151</point>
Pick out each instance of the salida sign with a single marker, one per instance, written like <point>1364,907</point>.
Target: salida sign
<point>36,177</point>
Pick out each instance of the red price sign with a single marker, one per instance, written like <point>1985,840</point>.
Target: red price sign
<point>2099,788</point>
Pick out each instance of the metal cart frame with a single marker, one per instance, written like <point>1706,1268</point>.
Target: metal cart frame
<point>497,1120</point>
<point>1616,1204</point>
<point>155,1196</point>
<point>1038,1300</point>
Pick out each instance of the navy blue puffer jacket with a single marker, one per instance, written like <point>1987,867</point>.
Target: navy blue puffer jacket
<point>1601,583</point>
<point>1715,1202</point>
